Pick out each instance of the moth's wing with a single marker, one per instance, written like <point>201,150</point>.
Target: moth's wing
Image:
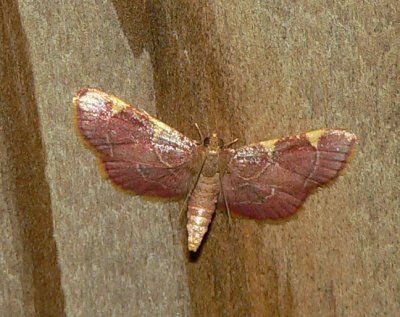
<point>272,179</point>
<point>139,153</point>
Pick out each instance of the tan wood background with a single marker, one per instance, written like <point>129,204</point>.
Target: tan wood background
<point>72,245</point>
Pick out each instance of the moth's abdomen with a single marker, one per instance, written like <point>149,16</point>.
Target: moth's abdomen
<point>201,208</point>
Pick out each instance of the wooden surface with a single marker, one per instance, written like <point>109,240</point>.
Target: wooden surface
<point>72,245</point>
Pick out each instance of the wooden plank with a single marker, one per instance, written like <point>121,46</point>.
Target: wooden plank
<point>116,253</point>
<point>262,70</point>
<point>249,70</point>
<point>31,283</point>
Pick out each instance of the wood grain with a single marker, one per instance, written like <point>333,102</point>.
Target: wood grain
<point>260,71</point>
<point>252,70</point>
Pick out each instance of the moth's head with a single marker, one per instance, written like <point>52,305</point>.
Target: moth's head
<point>213,142</point>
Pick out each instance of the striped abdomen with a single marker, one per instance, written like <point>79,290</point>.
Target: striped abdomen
<point>201,208</point>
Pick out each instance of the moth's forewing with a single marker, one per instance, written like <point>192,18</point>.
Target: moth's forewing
<point>139,153</point>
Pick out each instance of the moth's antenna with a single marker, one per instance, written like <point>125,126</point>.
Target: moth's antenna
<point>201,134</point>
<point>232,142</point>
<point>223,194</point>
<point>192,188</point>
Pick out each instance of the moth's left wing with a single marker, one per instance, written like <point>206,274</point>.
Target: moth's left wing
<point>138,152</point>
<point>272,179</point>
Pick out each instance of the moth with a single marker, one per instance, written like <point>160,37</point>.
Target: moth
<point>269,179</point>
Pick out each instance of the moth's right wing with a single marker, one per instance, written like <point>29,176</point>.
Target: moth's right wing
<point>139,153</point>
<point>272,179</point>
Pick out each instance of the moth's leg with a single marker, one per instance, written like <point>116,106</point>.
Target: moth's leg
<point>223,194</point>
<point>192,187</point>
<point>185,202</point>
<point>201,134</point>
<point>225,202</point>
<point>232,142</point>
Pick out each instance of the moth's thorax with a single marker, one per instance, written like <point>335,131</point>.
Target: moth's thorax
<point>213,145</point>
